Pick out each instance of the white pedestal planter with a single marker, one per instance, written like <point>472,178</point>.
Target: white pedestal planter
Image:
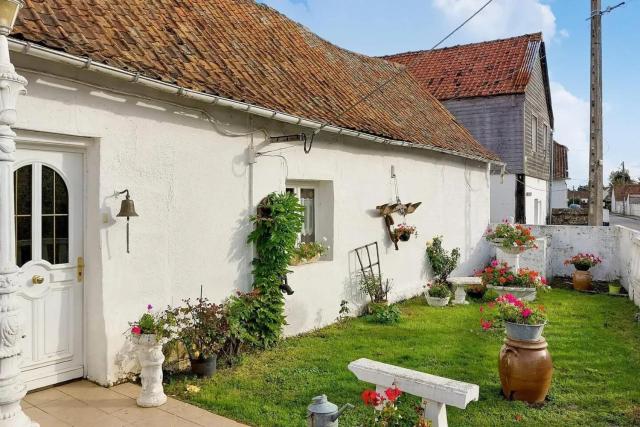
<point>459,285</point>
<point>511,257</point>
<point>150,356</point>
<point>525,294</point>
<point>436,302</point>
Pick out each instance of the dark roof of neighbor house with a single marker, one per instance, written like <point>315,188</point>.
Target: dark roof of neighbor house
<point>246,51</point>
<point>621,191</point>
<point>496,67</point>
<point>560,161</point>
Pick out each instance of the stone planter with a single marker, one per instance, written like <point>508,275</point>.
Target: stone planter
<point>301,261</point>
<point>520,332</point>
<point>525,294</point>
<point>150,356</point>
<point>437,302</point>
<point>582,280</point>
<point>525,370</point>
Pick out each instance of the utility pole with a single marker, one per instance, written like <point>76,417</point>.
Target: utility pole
<point>595,141</point>
<point>596,197</point>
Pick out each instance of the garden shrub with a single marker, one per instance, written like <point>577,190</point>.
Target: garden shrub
<point>383,313</point>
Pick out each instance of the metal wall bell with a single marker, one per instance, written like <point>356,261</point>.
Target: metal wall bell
<point>127,209</point>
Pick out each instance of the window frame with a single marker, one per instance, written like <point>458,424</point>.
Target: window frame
<point>297,187</point>
<point>534,133</point>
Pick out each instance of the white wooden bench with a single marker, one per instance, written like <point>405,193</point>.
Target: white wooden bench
<point>459,285</point>
<point>436,392</point>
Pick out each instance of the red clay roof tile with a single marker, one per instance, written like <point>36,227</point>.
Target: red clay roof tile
<point>496,67</point>
<point>247,51</point>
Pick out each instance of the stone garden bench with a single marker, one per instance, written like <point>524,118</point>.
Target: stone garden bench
<point>436,392</point>
<point>459,285</point>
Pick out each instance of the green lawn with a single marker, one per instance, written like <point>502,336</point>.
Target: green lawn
<point>594,341</point>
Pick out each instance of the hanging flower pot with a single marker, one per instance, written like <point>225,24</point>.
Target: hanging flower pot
<point>403,232</point>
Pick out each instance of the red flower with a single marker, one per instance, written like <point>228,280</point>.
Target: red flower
<point>481,309</point>
<point>136,330</point>
<point>371,398</point>
<point>486,324</point>
<point>502,280</point>
<point>392,393</point>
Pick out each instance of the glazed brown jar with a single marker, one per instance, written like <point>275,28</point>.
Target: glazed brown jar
<point>582,280</point>
<point>525,370</point>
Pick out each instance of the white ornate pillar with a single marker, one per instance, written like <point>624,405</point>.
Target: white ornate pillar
<point>12,388</point>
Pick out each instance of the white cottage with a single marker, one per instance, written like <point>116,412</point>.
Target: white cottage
<point>178,103</point>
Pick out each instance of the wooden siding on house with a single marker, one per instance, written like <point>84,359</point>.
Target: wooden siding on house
<point>496,122</point>
<point>537,162</point>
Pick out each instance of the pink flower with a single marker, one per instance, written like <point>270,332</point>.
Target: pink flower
<point>149,307</point>
<point>526,312</point>
<point>486,324</point>
<point>136,330</point>
<point>494,263</point>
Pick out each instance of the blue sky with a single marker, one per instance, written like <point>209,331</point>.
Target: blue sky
<point>378,27</point>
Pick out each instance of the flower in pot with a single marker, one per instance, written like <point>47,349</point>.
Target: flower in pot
<point>443,263</point>
<point>512,238</point>
<point>148,334</point>
<point>522,321</point>
<point>438,294</point>
<point>307,252</point>
<point>403,232</point>
<point>385,411</point>
<point>523,284</point>
<point>582,277</point>
<point>203,329</point>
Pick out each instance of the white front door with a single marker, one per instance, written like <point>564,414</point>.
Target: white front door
<point>49,188</point>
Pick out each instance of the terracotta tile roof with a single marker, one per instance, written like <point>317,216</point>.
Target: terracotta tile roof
<point>623,191</point>
<point>249,52</point>
<point>496,67</point>
<point>560,161</point>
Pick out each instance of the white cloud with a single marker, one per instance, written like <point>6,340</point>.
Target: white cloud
<point>502,18</point>
<point>571,116</point>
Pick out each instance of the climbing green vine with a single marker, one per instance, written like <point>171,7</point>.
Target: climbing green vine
<point>276,227</point>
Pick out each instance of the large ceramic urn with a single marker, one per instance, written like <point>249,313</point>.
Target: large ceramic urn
<point>525,370</point>
<point>582,280</point>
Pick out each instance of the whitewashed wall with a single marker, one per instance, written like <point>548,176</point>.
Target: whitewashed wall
<point>629,261</point>
<point>559,192</point>
<point>503,197</point>
<point>536,194</point>
<point>194,190</point>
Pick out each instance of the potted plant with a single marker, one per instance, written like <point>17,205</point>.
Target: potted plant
<point>403,232</point>
<point>305,253</point>
<point>511,238</point>
<point>523,283</point>
<point>522,321</point>
<point>438,294</point>
<point>443,263</point>
<point>374,287</point>
<point>203,329</point>
<point>582,262</point>
<point>148,334</point>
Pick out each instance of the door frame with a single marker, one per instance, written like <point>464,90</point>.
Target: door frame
<point>51,141</point>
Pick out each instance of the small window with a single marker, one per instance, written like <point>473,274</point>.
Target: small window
<point>307,197</point>
<point>55,217</point>
<point>23,187</point>
<point>545,137</point>
<point>534,133</point>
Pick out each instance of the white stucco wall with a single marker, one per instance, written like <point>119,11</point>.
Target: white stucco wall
<point>194,191</point>
<point>503,197</point>
<point>629,261</point>
<point>559,192</point>
<point>536,197</point>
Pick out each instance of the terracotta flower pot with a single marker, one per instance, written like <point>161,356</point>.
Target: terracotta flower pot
<point>525,370</point>
<point>582,280</point>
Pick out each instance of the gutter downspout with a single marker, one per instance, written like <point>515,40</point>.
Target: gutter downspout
<point>48,54</point>
<point>551,177</point>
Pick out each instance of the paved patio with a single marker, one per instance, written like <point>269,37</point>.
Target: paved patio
<point>82,403</point>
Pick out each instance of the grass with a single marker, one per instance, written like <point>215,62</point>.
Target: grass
<point>594,341</point>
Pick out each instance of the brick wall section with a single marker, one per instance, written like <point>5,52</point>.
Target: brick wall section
<point>570,216</point>
<point>537,163</point>
<point>496,122</point>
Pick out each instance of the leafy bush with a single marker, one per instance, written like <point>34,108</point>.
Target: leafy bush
<point>490,295</point>
<point>277,224</point>
<point>375,287</point>
<point>442,262</point>
<point>383,313</point>
<point>153,323</point>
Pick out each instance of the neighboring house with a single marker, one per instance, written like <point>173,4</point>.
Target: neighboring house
<point>177,106</point>
<point>559,189</point>
<point>625,199</point>
<point>499,90</point>
<point>580,197</point>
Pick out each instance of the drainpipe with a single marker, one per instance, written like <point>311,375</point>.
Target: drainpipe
<point>551,171</point>
<point>12,388</point>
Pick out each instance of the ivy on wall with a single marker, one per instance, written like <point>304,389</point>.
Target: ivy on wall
<point>278,222</point>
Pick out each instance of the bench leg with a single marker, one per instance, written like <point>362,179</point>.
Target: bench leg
<point>435,412</point>
<point>460,295</point>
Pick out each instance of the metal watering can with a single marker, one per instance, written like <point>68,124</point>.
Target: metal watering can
<point>322,413</point>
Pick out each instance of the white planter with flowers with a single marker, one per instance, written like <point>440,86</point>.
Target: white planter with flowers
<point>525,294</point>
<point>510,241</point>
<point>148,334</point>
<point>522,283</point>
<point>437,294</point>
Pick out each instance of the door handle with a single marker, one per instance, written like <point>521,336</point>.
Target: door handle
<point>80,269</point>
<point>37,280</point>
